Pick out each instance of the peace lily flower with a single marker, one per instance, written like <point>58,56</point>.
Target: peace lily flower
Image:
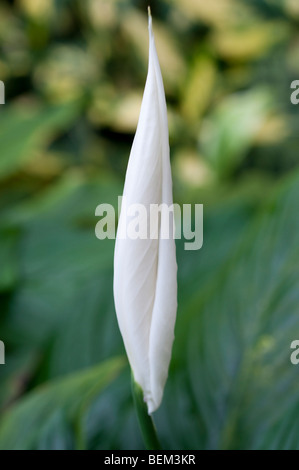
<point>145,269</point>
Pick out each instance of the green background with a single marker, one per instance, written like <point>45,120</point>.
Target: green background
<point>74,73</point>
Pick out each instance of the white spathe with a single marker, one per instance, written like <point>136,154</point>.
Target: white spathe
<point>145,270</point>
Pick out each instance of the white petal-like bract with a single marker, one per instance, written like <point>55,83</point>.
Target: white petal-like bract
<point>145,269</point>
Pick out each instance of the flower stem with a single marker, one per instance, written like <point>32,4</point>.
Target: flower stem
<point>146,424</point>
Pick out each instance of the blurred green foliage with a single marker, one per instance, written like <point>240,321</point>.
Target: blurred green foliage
<point>74,73</point>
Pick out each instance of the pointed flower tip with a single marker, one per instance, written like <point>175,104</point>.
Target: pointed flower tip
<point>149,17</point>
